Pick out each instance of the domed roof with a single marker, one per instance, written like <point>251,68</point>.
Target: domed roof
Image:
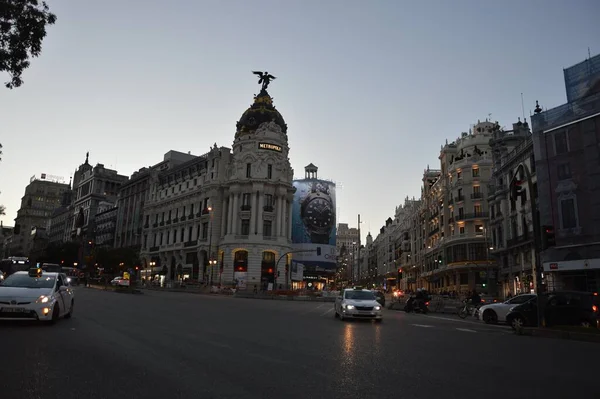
<point>261,111</point>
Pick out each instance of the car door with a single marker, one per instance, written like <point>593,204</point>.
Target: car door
<point>60,295</point>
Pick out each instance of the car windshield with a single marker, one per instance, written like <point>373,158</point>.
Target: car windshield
<point>24,281</point>
<point>359,295</point>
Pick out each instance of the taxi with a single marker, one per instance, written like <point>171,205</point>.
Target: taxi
<point>36,295</point>
<point>357,303</point>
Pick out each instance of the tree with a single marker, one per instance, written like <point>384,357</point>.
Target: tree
<point>22,29</point>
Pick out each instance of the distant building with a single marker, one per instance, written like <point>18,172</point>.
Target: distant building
<point>106,221</point>
<point>347,245</point>
<point>42,196</point>
<point>91,186</point>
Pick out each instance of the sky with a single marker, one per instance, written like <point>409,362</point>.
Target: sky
<point>370,90</point>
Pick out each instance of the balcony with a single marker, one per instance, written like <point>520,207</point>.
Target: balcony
<point>153,249</point>
<point>459,198</point>
<point>476,215</point>
<point>147,225</point>
<point>168,222</point>
<point>434,231</point>
<point>477,196</point>
<point>205,211</point>
<point>190,244</point>
<point>451,201</point>
<point>162,223</point>
<point>268,208</point>
<point>522,239</point>
<point>245,207</point>
<point>175,220</point>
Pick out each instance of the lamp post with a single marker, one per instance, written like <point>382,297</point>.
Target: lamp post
<point>516,192</point>
<point>151,264</point>
<point>211,261</point>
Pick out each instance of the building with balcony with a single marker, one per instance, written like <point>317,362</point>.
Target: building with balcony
<point>132,199</point>
<point>410,241</point>
<point>106,221</point>
<point>225,217</point>
<point>42,196</point>
<point>566,143</point>
<point>511,222</point>
<point>59,225</point>
<point>92,186</point>
<point>347,246</point>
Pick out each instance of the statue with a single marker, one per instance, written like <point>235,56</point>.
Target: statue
<point>265,78</point>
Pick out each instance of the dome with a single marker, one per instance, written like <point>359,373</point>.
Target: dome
<point>261,111</point>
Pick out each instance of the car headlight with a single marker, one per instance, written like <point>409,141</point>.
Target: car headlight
<point>349,306</point>
<point>43,299</point>
<point>377,307</point>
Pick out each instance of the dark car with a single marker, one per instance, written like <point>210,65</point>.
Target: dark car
<point>564,308</point>
<point>380,297</point>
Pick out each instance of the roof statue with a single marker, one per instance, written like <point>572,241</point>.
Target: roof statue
<point>265,78</point>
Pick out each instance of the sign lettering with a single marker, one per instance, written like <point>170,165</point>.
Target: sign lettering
<point>268,146</point>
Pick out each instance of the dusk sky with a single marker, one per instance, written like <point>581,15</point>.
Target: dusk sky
<point>370,90</point>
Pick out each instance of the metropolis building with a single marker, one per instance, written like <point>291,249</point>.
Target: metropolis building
<point>225,217</point>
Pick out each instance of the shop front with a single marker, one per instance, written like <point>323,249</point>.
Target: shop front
<point>574,275</point>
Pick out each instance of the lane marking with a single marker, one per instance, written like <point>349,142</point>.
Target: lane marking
<point>314,309</point>
<point>466,330</point>
<point>327,312</point>
<point>504,327</point>
<point>421,325</point>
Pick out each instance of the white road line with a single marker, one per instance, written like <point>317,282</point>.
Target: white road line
<point>467,321</point>
<point>313,309</point>
<point>327,312</point>
<point>421,325</point>
<point>466,330</point>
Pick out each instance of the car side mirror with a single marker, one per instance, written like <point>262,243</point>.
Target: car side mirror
<point>62,288</point>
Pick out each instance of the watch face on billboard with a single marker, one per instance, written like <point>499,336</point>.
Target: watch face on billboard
<point>313,223</point>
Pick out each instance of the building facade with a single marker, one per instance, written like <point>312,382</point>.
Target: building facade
<point>132,199</point>
<point>92,186</point>
<point>567,162</point>
<point>59,225</point>
<point>225,217</point>
<point>42,196</point>
<point>347,247</point>
<point>106,221</point>
<point>511,222</point>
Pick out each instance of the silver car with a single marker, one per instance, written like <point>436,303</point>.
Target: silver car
<point>358,303</point>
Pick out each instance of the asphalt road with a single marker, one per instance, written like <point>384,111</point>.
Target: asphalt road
<point>176,345</point>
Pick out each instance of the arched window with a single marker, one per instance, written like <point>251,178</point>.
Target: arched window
<point>240,261</point>
<point>268,262</point>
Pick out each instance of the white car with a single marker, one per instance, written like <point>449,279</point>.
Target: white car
<point>357,303</point>
<point>36,295</point>
<point>119,282</point>
<point>496,312</point>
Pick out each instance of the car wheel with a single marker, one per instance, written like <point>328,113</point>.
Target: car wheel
<point>68,315</point>
<point>517,323</point>
<point>490,317</point>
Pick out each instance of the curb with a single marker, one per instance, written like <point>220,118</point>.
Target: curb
<point>558,334</point>
<point>134,291</point>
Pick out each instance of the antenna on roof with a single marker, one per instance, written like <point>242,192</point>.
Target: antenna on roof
<point>522,106</point>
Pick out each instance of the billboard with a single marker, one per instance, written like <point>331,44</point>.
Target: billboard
<point>314,224</point>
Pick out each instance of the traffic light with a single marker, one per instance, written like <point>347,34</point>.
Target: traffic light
<point>319,251</point>
<point>399,274</point>
<point>548,237</point>
<point>270,271</point>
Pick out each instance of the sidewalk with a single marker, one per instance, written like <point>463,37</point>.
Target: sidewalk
<point>575,334</point>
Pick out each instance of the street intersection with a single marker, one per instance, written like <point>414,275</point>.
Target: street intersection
<point>179,345</point>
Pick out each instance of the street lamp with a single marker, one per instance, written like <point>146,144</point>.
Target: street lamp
<point>211,261</point>
<point>151,264</point>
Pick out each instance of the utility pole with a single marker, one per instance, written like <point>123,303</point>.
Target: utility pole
<point>358,253</point>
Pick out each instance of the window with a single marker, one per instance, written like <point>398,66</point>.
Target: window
<point>560,143</point>
<point>563,171</point>
<point>267,228</point>
<point>246,199</point>
<point>475,172</point>
<point>568,213</point>
<point>479,229</point>
<point>174,236</point>
<point>268,199</point>
<point>240,261</point>
<point>461,230</point>
<point>245,227</point>
<point>458,174</point>
<point>461,213</point>
<point>190,232</point>
<point>205,230</point>
<point>477,209</point>
<point>169,215</point>
<point>248,170</point>
<point>269,171</point>
<point>182,234</point>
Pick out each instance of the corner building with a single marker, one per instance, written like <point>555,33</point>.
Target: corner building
<point>225,217</point>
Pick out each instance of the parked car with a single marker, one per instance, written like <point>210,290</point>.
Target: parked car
<point>496,312</point>
<point>566,308</point>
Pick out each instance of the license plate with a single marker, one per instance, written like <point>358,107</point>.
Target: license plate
<point>13,310</point>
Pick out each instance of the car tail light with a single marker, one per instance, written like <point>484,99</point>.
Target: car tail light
<point>427,303</point>
<point>594,308</point>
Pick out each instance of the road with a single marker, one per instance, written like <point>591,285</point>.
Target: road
<point>177,345</point>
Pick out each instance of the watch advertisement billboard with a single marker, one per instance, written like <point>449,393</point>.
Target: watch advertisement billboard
<point>314,224</point>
